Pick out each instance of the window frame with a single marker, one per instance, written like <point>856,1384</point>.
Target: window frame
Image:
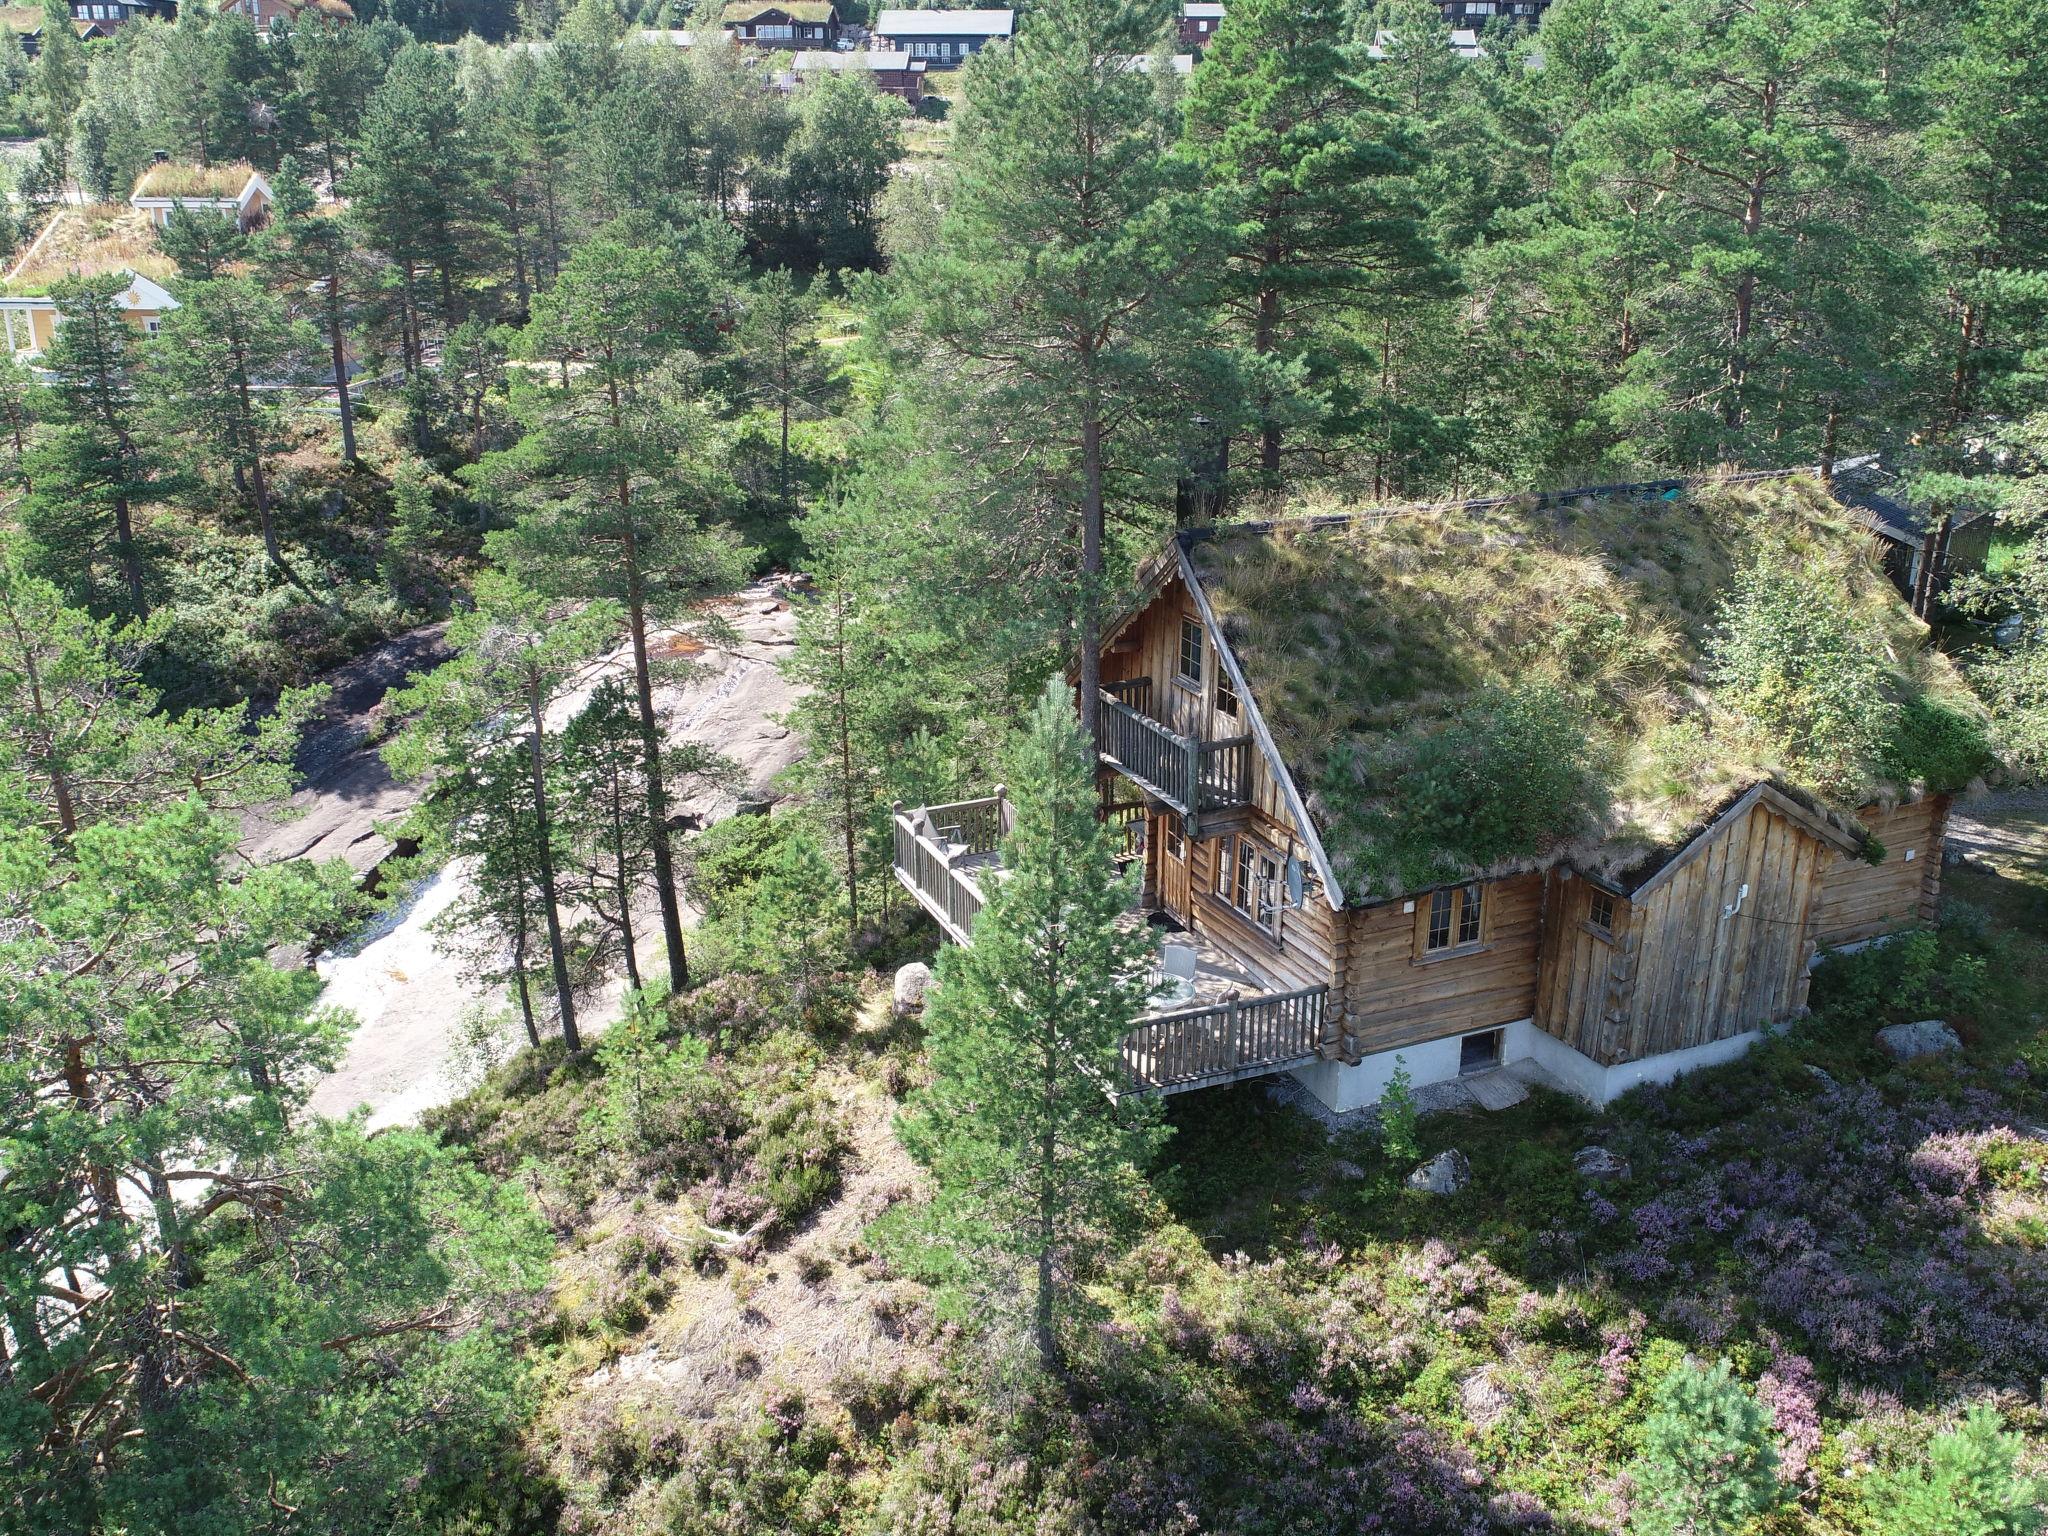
<point>1192,637</point>
<point>1596,898</point>
<point>1248,876</point>
<point>1465,932</point>
<point>1227,702</point>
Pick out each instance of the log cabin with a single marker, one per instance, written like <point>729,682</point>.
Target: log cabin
<point>1286,713</point>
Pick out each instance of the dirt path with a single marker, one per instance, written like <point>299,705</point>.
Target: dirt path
<point>2008,828</point>
<point>405,988</point>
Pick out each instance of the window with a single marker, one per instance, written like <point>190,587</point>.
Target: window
<point>1248,878</point>
<point>1468,914</point>
<point>1226,695</point>
<point>1190,668</point>
<point>1600,912</point>
<point>1176,845</point>
<point>152,325</point>
<point>1453,919</point>
<point>1439,921</point>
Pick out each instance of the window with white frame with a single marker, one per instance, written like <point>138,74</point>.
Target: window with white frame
<point>1248,878</point>
<point>1188,669</point>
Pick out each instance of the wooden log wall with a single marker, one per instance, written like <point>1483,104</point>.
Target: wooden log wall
<point>1703,972</point>
<point>1860,900</point>
<point>1394,999</point>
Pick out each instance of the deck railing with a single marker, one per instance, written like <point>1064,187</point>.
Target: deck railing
<point>1198,1047</point>
<point>1191,776</point>
<point>941,851</point>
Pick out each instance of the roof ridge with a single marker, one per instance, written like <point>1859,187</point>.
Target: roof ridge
<point>1188,537</point>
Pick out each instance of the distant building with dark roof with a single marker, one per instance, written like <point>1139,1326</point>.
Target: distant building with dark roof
<point>1923,550</point>
<point>892,70</point>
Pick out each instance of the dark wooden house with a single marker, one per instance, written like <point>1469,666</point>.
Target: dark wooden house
<point>1260,707</point>
<point>786,24</point>
<point>943,39</point>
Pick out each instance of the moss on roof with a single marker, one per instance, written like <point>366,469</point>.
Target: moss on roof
<point>1390,652</point>
<point>194,181</point>
<point>22,18</point>
<point>814,11</point>
<point>89,241</point>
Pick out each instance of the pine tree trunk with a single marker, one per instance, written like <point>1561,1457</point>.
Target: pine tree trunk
<point>337,350</point>
<point>621,884</point>
<point>131,562</point>
<point>846,781</point>
<point>650,767</point>
<point>1091,577</point>
<point>1264,339</point>
<point>558,953</point>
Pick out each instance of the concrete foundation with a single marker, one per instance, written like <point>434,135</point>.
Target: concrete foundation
<point>1344,1087</point>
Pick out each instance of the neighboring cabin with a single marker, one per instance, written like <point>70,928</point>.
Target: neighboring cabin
<point>1264,711</point>
<point>1923,551</point>
<point>264,15</point>
<point>107,17</point>
<point>943,38</point>
<point>237,191</point>
<point>86,241</point>
<point>789,24</point>
<point>894,72</point>
<point>1199,20</point>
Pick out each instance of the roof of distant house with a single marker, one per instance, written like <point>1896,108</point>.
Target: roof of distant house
<point>1201,9</point>
<point>945,23</point>
<point>1362,636</point>
<point>90,242</point>
<point>872,58</point>
<point>199,183</point>
<point>813,11</point>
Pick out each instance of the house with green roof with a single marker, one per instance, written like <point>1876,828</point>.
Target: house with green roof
<point>1568,788</point>
<point>785,24</point>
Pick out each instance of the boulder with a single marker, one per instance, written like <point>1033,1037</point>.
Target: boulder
<point>1599,1165</point>
<point>1444,1174</point>
<point>912,982</point>
<point>1927,1037</point>
<point>1345,1169</point>
<point>1820,1075</point>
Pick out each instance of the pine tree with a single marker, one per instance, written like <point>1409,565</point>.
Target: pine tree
<point>1060,288</point>
<point>207,362</point>
<point>1317,181</point>
<point>1032,1158</point>
<point>90,459</point>
<point>1970,1485</point>
<point>516,657</point>
<point>612,495</point>
<point>308,249</point>
<point>59,75</point>
<point>1708,1465</point>
<point>778,338</point>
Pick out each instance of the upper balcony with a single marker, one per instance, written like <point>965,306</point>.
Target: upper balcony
<point>1210,1020</point>
<point>1199,779</point>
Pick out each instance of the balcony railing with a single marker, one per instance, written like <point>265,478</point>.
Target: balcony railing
<point>1194,777</point>
<point>1222,1042</point>
<point>942,852</point>
<point>945,852</point>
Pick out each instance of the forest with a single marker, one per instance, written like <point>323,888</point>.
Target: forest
<point>571,357</point>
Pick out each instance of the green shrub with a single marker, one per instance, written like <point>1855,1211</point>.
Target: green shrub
<point>1397,1117</point>
<point>1937,746</point>
<point>1515,772</point>
<point>1970,1485</point>
<point>1708,1465</point>
<point>1792,655</point>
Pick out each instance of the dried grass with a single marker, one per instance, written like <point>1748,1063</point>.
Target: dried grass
<point>1372,633</point>
<point>194,181</point>
<point>90,242</point>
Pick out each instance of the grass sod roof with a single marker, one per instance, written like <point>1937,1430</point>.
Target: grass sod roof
<point>90,241</point>
<point>813,11</point>
<point>194,181</point>
<point>1366,639</point>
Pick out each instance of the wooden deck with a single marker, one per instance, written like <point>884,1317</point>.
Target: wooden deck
<point>1234,1025</point>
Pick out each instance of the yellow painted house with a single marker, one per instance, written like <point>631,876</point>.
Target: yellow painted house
<point>85,242</point>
